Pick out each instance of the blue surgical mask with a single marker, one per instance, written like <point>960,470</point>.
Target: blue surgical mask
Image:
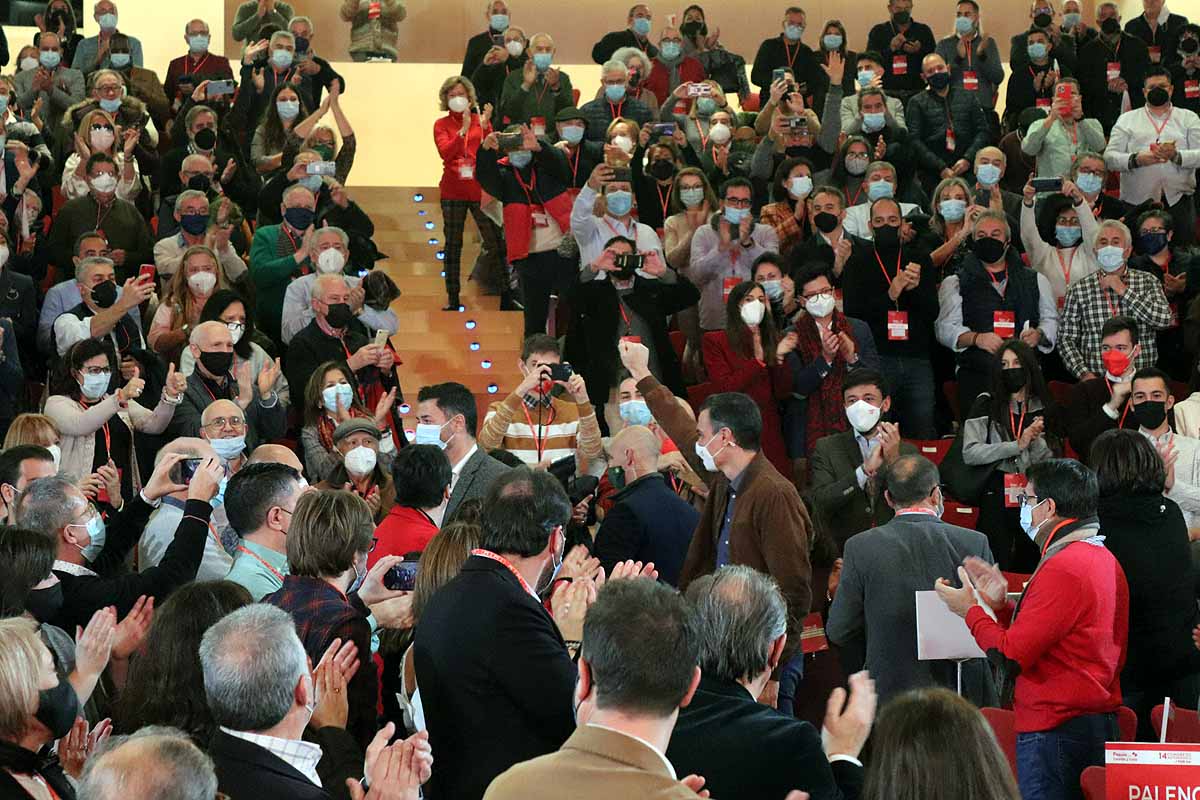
<point>774,290</point>
<point>1037,51</point>
<point>430,434</point>
<point>793,32</point>
<point>1068,235</point>
<point>865,77</point>
<point>107,21</point>
<point>880,189</point>
<point>636,412</point>
<point>120,60</point>
<point>359,577</point>
<point>705,106</point>
<point>572,134</point>
<point>669,51</point>
<point>1070,20</point>
<point>987,174</point>
<point>953,210</point>
<point>112,106</point>
<point>800,186</point>
<point>874,122</point>
<point>50,59</point>
<point>3,104</point>
<point>1026,518</point>
<point>339,391</point>
<point>641,26</point>
<point>499,22</point>
<point>542,61</point>
<point>288,109</point>
<point>219,497</point>
<point>619,201</point>
<point>831,41</point>
<point>97,533</point>
<point>94,386</point>
<point>1089,182</point>
<point>281,59</point>
<point>1110,257</point>
<point>963,25</point>
<point>692,197</point>
<point>228,449</point>
<point>198,43</point>
<point>311,182</point>
<point>520,158</point>
<point>734,216</point>
<point>615,92</point>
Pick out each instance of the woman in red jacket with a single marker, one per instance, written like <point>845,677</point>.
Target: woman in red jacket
<point>457,136</point>
<point>748,357</point>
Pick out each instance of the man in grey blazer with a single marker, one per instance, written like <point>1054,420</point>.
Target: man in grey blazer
<point>57,85</point>
<point>448,417</point>
<point>875,602</point>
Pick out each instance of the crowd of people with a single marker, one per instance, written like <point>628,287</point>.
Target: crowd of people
<point>227,569</point>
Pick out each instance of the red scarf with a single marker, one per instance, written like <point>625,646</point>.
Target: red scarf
<point>826,412</point>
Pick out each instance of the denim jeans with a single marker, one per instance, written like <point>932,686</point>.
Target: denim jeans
<point>790,678</point>
<point>910,382</point>
<point>1049,763</point>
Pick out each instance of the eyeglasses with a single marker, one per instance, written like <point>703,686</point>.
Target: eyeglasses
<point>1027,499</point>
<point>96,371</point>
<point>738,202</point>
<point>233,423</point>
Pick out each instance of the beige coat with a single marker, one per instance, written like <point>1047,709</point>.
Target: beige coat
<point>78,427</point>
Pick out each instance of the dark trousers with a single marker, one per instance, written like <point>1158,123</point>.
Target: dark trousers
<point>1049,763</point>
<point>790,678</point>
<point>541,275</point>
<point>1143,695</point>
<point>910,380</point>
<point>1012,548</point>
<point>1183,220</point>
<point>454,221</point>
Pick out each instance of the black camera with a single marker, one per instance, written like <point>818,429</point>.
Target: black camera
<point>510,142</point>
<point>560,372</point>
<point>403,576</point>
<point>627,264</point>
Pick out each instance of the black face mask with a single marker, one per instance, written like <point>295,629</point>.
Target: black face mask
<point>989,250</point>
<point>1014,378</point>
<point>1110,26</point>
<point>199,183</point>
<point>825,221</point>
<point>1150,413</point>
<point>887,237</point>
<point>1042,20</point>
<point>1150,243</point>
<point>1157,96</point>
<point>662,169</point>
<point>693,29</point>
<point>45,604</point>
<point>216,362</point>
<point>104,294</point>
<point>938,81</point>
<point>205,139</point>
<point>58,708</point>
<point>339,315</point>
<point>796,151</point>
<point>902,17</point>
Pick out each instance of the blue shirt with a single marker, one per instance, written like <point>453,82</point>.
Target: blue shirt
<point>727,523</point>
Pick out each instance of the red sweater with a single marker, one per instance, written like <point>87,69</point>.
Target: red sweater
<point>210,67</point>
<point>659,80</point>
<point>730,371</point>
<point>1069,637</point>
<point>458,152</point>
<point>403,530</point>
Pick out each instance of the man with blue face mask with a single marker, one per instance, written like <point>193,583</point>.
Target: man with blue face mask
<point>141,83</point>
<point>869,75</point>
<point>991,165</point>
<point>880,181</point>
<point>91,554</point>
<point>535,93</point>
<point>187,71</point>
<point>571,127</point>
<point>636,34</point>
<point>54,83</point>
<point>95,52</point>
<point>496,15</point>
<point>787,51</point>
<point>972,56</point>
<point>614,102</point>
<point>320,74</point>
<point>592,232</point>
<point>673,67</point>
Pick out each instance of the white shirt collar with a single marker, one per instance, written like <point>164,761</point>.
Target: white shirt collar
<point>655,750</point>
<point>458,468</point>
<point>296,753</point>
<point>1158,439</point>
<point>1163,15</point>
<point>78,570</point>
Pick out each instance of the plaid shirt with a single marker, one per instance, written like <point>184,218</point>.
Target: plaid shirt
<point>1088,307</point>
<point>323,614</point>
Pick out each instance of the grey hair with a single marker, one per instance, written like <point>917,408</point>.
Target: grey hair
<point>994,216</point>
<point>318,287</point>
<point>188,194</point>
<point>277,35</point>
<point>90,261</point>
<point>1112,223</point>
<point>345,237</point>
<point>875,165</point>
<point>869,92</point>
<point>44,505</point>
<point>312,28</point>
<point>742,613</point>
<point>158,761</point>
<point>623,54</point>
<point>198,331</point>
<point>613,65</point>
<point>252,659</point>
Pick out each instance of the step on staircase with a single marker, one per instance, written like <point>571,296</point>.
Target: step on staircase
<point>478,347</point>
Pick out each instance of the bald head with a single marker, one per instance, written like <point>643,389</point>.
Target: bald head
<point>154,763</point>
<point>911,481</point>
<point>220,408</point>
<point>276,454</point>
<point>637,448</point>
<point>207,335</point>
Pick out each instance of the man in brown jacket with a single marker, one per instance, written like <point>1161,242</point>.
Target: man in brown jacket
<point>753,515</point>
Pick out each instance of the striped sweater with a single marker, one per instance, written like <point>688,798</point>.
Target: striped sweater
<point>564,429</point>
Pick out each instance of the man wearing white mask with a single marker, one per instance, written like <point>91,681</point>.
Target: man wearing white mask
<point>846,490</point>
<point>93,53</point>
<point>260,417</point>
<point>1114,290</point>
<point>330,252</point>
<point>357,441</point>
<point>448,417</point>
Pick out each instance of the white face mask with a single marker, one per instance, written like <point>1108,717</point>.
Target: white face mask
<point>863,416</point>
<point>202,282</point>
<point>709,459</point>
<point>28,63</point>
<point>752,312</point>
<point>820,306</point>
<point>236,329</point>
<point>56,452</point>
<point>102,139</point>
<point>104,183</point>
<point>515,48</point>
<point>360,461</point>
<point>330,261</point>
<point>458,104</point>
<point>623,142</point>
<point>720,133</point>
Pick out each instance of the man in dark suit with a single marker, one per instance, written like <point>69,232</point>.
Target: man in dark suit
<point>262,694</point>
<point>895,560</point>
<point>448,417</point>
<point>648,521</point>
<point>845,492</point>
<point>745,749</point>
<point>486,649</point>
<point>1103,96</point>
<point>1100,403</point>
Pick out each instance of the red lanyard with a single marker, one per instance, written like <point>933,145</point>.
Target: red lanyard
<point>1158,129</point>
<point>1017,427</point>
<point>703,137</point>
<point>1055,530</point>
<point>292,239</point>
<point>539,441</point>
<point>665,201</point>
<point>542,93</point>
<point>949,119</point>
<point>1113,310</point>
<point>628,326</point>
<point>617,232</point>
<point>996,281</point>
<point>616,109</point>
<point>574,167</point>
<point>883,269</point>
<point>968,45</point>
<point>101,214</point>
<point>195,69</point>
<point>1120,424</point>
<point>1066,265</point>
<point>479,551</point>
<point>260,560</point>
<point>854,200</point>
<point>107,436</point>
<point>791,57</point>
<point>531,188</point>
<point>286,75</point>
